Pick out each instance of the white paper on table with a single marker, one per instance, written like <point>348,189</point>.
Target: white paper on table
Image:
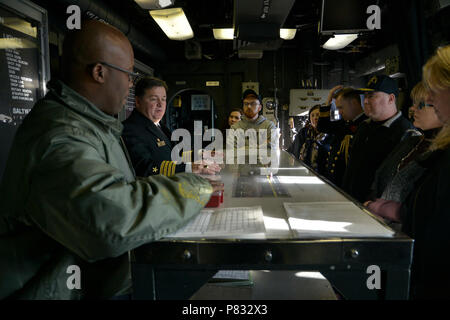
<point>232,274</point>
<point>224,222</point>
<point>332,219</point>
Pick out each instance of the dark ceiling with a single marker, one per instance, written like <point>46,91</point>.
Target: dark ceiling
<point>205,14</point>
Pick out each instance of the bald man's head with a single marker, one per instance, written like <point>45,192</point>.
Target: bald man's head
<point>84,51</point>
<point>95,41</point>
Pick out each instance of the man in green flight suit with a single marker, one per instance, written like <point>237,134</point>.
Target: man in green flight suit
<point>69,199</point>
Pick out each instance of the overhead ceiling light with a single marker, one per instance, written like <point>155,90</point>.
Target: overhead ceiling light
<point>154,4</point>
<point>174,23</point>
<point>287,34</point>
<point>228,33</point>
<point>223,33</point>
<point>339,41</point>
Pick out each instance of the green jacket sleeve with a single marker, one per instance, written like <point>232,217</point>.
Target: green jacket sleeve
<point>87,205</point>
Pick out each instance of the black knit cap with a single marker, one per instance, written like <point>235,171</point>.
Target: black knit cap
<point>250,92</point>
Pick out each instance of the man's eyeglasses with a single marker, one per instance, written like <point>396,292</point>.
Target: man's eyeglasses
<point>252,104</point>
<point>132,76</point>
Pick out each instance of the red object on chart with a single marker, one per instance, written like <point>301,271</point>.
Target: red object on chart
<point>216,199</point>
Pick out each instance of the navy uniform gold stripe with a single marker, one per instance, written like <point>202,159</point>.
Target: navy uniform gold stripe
<point>174,163</point>
<point>168,168</point>
<point>162,170</point>
<point>149,147</point>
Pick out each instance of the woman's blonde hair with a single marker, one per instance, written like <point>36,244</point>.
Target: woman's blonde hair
<point>436,76</point>
<point>442,139</point>
<point>418,93</point>
<point>436,72</point>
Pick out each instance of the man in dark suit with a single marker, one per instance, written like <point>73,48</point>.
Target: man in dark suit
<point>376,137</point>
<point>348,103</point>
<point>148,141</point>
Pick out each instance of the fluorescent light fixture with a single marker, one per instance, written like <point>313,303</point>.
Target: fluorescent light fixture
<point>223,33</point>
<point>228,33</point>
<point>310,275</point>
<point>154,4</point>
<point>287,34</point>
<point>339,41</point>
<point>174,23</point>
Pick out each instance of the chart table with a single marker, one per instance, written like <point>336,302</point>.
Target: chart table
<point>309,225</point>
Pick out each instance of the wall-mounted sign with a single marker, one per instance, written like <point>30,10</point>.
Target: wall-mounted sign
<point>250,85</point>
<point>302,100</point>
<point>212,83</point>
<point>24,66</point>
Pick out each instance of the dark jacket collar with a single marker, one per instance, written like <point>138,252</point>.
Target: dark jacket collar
<point>139,119</point>
<point>359,118</point>
<point>386,123</point>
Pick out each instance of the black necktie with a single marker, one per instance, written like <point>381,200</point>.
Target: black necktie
<point>161,130</point>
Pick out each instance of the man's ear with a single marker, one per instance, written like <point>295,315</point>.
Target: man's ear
<point>260,107</point>
<point>137,101</point>
<point>98,72</point>
<point>392,98</point>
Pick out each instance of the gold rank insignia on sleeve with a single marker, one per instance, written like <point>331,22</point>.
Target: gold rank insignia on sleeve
<point>167,168</point>
<point>160,143</point>
<point>155,169</point>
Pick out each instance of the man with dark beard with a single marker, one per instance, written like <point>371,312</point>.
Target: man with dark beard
<point>252,105</point>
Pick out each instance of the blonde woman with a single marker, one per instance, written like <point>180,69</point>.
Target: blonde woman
<point>395,177</point>
<point>426,213</point>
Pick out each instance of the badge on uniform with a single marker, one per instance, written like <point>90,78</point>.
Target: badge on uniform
<point>160,143</point>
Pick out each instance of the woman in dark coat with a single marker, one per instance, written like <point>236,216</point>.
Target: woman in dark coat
<point>302,146</point>
<point>426,212</point>
<point>395,177</point>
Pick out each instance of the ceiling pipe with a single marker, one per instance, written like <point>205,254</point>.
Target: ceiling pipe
<point>139,41</point>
